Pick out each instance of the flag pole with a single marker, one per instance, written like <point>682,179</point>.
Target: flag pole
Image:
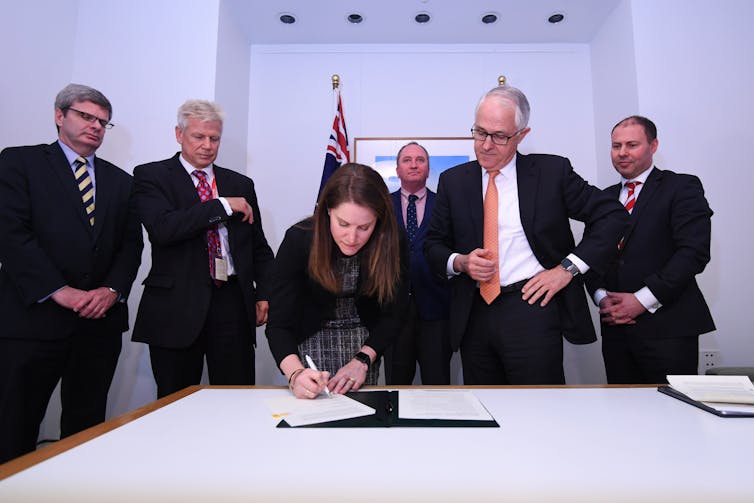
<point>335,81</point>
<point>500,80</point>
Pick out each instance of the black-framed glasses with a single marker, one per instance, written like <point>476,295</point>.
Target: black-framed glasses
<point>91,118</point>
<point>497,138</point>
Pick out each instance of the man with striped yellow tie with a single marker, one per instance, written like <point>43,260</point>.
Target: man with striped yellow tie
<point>70,247</point>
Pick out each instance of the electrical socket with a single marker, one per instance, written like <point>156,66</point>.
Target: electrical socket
<point>708,358</point>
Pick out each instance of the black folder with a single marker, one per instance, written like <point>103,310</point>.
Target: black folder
<point>385,404</point>
<point>685,398</point>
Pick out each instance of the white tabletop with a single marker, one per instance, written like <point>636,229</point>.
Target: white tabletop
<point>553,444</point>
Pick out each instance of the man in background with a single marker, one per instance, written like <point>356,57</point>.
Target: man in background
<point>500,230</point>
<point>70,247</point>
<point>424,337</point>
<point>207,289</point>
<point>651,308</point>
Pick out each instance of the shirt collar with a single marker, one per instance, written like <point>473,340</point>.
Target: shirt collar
<point>419,193</point>
<point>642,178</point>
<point>508,171</point>
<point>71,156</point>
<point>190,169</point>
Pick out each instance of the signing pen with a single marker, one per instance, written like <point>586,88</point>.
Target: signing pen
<point>314,367</point>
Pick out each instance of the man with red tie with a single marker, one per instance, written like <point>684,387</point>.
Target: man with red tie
<point>207,289</point>
<point>652,311</point>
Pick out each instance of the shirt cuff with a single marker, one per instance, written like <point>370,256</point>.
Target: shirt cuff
<point>599,294</point>
<point>647,299</point>
<point>583,268</point>
<point>449,267</point>
<point>225,204</point>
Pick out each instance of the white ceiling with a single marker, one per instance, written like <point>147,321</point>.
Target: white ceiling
<point>392,21</point>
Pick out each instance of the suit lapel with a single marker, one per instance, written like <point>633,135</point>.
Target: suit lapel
<point>643,200</point>
<point>104,186</point>
<point>527,178</point>
<point>428,205</point>
<point>396,197</point>
<point>64,172</point>
<point>472,184</point>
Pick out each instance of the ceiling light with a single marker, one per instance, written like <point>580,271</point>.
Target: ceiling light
<point>556,18</point>
<point>489,18</point>
<point>355,18</point>
<point>422,17</point>
<point>286,18</point>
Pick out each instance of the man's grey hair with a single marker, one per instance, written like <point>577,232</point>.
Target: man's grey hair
<point>201,110</point>
<point>73,93</point>
<point>513,96</point>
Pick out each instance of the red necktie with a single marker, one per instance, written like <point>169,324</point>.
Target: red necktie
<point>213,237</point>
<point>491,289</point>
<point>629,204</point>
<point>631,198</point>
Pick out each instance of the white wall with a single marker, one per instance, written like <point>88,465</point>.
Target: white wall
<point>695,76</point>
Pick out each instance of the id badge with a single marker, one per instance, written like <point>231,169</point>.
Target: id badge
<point>221,269</point>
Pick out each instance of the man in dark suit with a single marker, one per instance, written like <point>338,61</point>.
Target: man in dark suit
<point>424,335</point>
<point>651,308</point>
<point>70,247</point>
<point>206,290</point>
<point>522,258</point>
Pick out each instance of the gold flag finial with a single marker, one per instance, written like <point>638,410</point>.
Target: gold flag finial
<point>335,81</point>
<point>501,80</point>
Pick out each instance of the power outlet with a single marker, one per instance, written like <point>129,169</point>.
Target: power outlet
<point>708,358</point>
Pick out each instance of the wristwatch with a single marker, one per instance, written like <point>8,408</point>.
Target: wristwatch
<point>363,358</point>
<point>570,267</point>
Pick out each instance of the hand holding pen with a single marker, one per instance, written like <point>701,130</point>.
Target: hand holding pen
<point>321,379</point>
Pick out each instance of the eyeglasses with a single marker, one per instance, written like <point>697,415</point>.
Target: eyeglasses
<point>497,138</point>
<point>91,118</point>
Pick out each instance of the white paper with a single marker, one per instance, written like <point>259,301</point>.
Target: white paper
<point>715,389</point>
<point>440,404</point>
<point>300,412</point>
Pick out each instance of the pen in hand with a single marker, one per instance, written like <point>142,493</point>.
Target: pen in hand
<point>314,368</point>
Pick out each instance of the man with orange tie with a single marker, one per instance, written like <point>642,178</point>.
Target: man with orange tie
<point>652,311</point>
<point>70,247</point>
<point>514,266</point>
<point>207,289</point>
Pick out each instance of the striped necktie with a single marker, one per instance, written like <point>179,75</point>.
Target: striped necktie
<point>84,182</point>
<point>631,197</point>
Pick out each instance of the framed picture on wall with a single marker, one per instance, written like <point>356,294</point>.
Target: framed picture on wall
<point>444,153</point>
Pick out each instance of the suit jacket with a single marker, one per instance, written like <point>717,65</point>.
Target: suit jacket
<point>299,305</point>
<point>550,193</point>
<point>431,293</point>
<point>178,288</point>
<point>47,241</point>
<point>665,246</point>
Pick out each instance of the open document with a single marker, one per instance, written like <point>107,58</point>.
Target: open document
<point>441,404</point>
<point>298,412</point>
<point>723,395</point>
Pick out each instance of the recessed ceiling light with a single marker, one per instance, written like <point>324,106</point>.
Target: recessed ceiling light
<point>556,18</point>
<point>286,18</point>
<point>422,17</point>
<point>489,18</point>
<point>355,18</point>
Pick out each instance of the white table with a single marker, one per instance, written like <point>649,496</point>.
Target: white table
<point>564,444</point>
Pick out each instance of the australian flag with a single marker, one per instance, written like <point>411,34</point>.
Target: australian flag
<point>337,147</point>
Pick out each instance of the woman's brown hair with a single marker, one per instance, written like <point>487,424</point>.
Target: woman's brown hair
<point>380,256</point>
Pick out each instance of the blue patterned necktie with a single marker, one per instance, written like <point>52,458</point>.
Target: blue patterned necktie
<point>411,225</point>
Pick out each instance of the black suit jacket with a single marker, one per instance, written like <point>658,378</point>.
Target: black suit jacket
<point>299,305</point>
<point>431,293</point>
<point>665,246</point>
<point>178,289</point>
<point>550,193</point>
<point>46,241</point>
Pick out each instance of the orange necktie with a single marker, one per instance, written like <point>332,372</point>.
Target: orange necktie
<point>491,289</point>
